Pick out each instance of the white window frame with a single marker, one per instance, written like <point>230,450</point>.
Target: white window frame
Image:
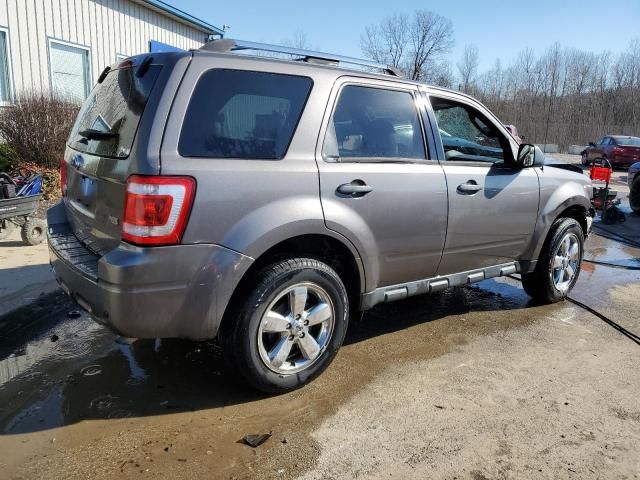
<point>10,85</point>
<point>52,40</point>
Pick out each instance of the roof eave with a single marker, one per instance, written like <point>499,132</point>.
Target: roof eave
<point>181,16</point>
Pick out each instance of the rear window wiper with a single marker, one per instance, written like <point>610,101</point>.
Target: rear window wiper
<point>92,134</point>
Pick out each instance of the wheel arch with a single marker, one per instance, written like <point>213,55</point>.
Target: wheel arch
<point>576,207</point>
<point>323,247</point>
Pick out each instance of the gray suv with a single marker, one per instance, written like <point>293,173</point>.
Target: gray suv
<point>260,201</point>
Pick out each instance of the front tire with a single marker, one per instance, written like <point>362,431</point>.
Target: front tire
<point>584,159</point>
<point>634,195</point>
<point>558,267</point>
<point>288,327</point>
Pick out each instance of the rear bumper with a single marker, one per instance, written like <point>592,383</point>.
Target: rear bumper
<point>177,291</point>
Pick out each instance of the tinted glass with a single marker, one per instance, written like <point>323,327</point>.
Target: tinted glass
<point>467,134</point>
<point>242,114</point>
<point>374,123</point>
<point>114,106</point>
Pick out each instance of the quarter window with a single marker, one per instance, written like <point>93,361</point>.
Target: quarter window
<point>374,123</point>
<point>467,135</point>
<point>243,114</point>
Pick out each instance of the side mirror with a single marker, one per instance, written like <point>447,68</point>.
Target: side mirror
<point>591,144</point>
<point>529,156</point>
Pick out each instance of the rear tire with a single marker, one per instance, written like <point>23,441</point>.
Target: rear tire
<point>559,263</point>
<point>33,231</point>
<point>287,327</point>
<point>6,228</point>
<point>634,195</point>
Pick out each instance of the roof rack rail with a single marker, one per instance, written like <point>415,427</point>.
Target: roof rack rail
<point>225,45</point>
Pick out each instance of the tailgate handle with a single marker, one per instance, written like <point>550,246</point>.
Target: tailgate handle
<point>357,188</point>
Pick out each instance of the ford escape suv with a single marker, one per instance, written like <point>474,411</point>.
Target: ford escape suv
<point>260,201</point>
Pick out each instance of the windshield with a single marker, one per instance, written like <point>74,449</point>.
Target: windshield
<point>109,118</point>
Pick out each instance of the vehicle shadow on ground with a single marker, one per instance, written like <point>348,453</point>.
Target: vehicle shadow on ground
<point>13,244</point>
<point>148,377</point>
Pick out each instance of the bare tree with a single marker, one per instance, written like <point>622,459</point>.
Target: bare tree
<point>414,45</point>
<point>566,96</point>
<point>388,41</point>
<point>299,39</point>
<point>441,75</point>
<point>468,67</point>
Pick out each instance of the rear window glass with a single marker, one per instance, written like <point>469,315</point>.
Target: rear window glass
<point>243,114</point>
<point>628,141</point>
<point>109,118</point>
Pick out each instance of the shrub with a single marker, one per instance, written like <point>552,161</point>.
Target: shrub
<point>8,158</point>
<point>37,127</point>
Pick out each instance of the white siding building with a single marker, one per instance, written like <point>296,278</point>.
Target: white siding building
<point>63,45</point>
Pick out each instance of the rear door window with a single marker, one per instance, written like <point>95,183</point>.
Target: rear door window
<point>109,118</point>
<point>243,114</point>
<point>372,123</point>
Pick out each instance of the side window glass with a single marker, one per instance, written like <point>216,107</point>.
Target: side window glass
<point>373,123</point>
<point>243,114</point>
<point>467,135</point>
<point>602,141</point>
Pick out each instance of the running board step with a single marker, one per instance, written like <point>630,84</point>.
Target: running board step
<point>436,284</point>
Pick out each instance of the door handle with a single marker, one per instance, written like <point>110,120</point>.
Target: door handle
<point>470,187</point>
<point>356,189</point>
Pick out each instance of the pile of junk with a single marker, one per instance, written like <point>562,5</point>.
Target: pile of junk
<point>19,199</point>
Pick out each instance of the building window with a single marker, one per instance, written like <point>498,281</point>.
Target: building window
<point>69,70</point>
<point>5,84</point>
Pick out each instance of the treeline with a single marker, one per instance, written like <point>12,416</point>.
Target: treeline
<point>565,96</point>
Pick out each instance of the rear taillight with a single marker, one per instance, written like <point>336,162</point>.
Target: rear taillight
<point>63,177</point>
<point>156,209</point>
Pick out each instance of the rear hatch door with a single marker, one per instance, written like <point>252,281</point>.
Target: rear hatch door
<point>109,143</point>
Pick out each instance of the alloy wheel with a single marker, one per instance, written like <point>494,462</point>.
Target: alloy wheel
<point>566,262</point>
<point>296,328</point>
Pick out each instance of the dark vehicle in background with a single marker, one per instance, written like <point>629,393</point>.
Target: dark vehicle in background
<point>634,187</point>
<point>621,151</point>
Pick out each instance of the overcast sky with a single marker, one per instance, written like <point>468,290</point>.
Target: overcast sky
<point>499,28</point>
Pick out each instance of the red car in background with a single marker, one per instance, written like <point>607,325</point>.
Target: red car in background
<point>621,151</point>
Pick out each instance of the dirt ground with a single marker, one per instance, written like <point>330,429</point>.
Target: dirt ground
<point>472,383</point>
<point>24,272</point>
